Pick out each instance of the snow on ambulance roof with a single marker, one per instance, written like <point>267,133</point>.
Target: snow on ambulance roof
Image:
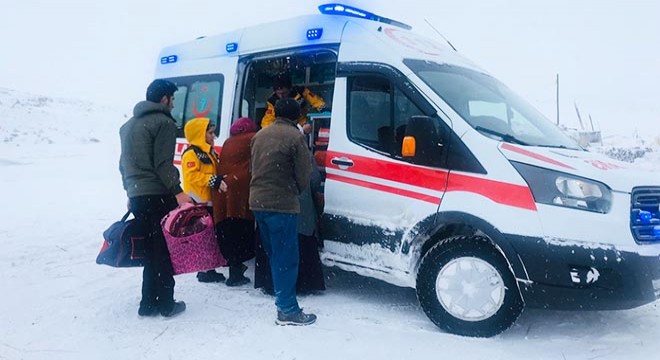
<point>333,26</point>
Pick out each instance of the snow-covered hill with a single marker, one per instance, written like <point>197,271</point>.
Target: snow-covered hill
<point>58,169</point>
<point>29,119</point>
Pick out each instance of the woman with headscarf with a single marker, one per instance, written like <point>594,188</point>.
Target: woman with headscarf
<point>231,212</point>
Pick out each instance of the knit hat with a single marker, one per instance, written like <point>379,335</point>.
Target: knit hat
<point>282,80</point>
<point>287,108</point>
<point>243,125</point>
<point>159,88</point>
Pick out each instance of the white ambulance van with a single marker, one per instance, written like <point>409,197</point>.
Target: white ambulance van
<point>437,176</point>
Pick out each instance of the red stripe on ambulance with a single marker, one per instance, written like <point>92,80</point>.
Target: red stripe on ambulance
<point>404,173</point>
<point>369,185</point>
<point>534,155</point>
<point>503,193</point>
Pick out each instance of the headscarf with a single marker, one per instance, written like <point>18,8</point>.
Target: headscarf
<point>243,125</point>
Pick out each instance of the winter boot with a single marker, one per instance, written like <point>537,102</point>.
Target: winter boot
<point>148,310</point>
<point>236,277</point>
<point>210,276</point>
<point>177,309</point>
<point>299,318</point>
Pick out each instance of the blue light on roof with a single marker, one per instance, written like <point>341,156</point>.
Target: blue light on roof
<point>314,34</point>
<point>231,47</point>
<point>170,59</point>
<point>341,9</point>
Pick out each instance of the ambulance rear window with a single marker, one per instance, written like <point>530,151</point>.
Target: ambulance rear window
<point>198,96</point>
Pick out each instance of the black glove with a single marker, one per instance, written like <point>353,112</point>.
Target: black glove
<point>214,182</point>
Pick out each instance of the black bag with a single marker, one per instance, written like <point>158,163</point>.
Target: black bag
<point>123,244</point>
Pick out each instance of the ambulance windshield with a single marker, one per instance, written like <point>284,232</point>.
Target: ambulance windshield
<point>489,106</point>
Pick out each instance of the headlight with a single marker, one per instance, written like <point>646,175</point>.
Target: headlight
<point>561,189</point>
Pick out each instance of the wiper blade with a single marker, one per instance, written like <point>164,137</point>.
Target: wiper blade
<point>555,146</point>
<point>503,136</point>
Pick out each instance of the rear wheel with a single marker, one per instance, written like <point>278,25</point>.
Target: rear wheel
<point>465,287</point>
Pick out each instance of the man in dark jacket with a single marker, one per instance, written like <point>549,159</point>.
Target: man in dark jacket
<point>280,172</point>
<point>153,187</point>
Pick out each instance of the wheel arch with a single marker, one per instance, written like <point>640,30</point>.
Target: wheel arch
<point>449,224</point>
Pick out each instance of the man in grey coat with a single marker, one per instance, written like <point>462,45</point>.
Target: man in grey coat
<point>153,187</point>
<point>281,169</point>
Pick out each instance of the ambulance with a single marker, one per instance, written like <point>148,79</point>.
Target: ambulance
<point>437,176</point>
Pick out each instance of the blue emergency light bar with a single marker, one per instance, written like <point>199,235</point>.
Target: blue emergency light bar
<point>170,59</point>
<point>231,47</point>
<point>341,9</point>
<point>314,34</point>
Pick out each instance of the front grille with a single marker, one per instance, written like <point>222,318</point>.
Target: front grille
<point>645,214</point>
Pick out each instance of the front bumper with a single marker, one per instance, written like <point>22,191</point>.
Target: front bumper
<point>570,275</point>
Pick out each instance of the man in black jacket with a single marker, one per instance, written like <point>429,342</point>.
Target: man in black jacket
<point>153,187</point>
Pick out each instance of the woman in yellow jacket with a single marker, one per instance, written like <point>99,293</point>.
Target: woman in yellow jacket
<point>198,165</point>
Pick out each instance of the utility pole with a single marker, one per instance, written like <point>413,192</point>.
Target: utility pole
<point>557,99</point>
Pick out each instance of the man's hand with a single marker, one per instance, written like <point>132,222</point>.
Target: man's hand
<point>183,198</point>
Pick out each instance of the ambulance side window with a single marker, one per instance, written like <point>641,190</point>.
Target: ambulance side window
<point>203,100</point>
<point>369,117</point>
<point>378,113</point>
<point>179,105</point>
<point>404,109</point>
<point>198,96</point>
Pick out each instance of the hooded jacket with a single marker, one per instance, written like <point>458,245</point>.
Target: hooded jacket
<point>147,152</point>
<point>199,162</point>
<point>303,96</point>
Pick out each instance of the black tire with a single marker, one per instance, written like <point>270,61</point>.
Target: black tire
<point>461,247</point>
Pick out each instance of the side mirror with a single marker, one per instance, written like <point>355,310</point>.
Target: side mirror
<point>421,143</point>
<point>409,146</point>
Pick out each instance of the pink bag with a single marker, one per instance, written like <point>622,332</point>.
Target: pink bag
<point>190,237</point>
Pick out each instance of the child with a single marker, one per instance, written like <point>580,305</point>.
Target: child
<point>198,165</point>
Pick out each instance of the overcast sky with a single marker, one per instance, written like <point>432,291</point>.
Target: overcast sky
<point>607,52</point>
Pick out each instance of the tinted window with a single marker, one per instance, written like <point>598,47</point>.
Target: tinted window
<point>378,114</point>
<point>198,96</point>
<point>179,105</point>
<point>369,112</point>
<point>203,101</point>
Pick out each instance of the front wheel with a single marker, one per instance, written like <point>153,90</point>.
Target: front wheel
<point>466,287</point>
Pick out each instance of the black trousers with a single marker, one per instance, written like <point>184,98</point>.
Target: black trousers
<point>236,237</point>
<point>157,277</point>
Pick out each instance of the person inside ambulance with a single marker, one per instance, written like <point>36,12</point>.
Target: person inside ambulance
<point>283,88</point>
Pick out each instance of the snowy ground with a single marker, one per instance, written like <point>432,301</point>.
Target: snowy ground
<point>59,170</point>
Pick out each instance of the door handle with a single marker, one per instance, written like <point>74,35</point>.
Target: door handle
<point>342,162</point>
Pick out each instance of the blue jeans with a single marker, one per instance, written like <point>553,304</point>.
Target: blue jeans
<point>279,235</point>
